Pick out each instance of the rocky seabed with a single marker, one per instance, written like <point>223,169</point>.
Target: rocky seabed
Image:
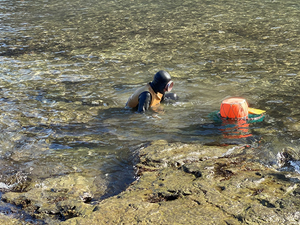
<point>177,184</point>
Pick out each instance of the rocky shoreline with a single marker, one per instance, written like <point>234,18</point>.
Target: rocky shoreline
<point>178,184</point>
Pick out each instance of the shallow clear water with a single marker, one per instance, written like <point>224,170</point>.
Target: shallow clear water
<point>67,69</point>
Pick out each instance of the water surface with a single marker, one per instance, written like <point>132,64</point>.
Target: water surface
<point>67,69</point>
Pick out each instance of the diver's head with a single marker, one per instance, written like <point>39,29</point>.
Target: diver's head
<point>162,82</point>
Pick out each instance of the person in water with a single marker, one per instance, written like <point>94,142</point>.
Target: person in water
<point>152,93</point>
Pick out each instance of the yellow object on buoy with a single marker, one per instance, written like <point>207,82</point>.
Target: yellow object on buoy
<point>234,108</point>
<point>256,111</point>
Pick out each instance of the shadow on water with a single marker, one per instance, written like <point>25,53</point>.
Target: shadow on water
<point>113,153</point>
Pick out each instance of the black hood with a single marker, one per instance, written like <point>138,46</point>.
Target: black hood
<point>160,80</point>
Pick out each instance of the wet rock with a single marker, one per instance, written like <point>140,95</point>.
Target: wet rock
<point>63,197</point>
<point>73,208</point>
<point>178,184</point>
<point>18,182</point>
<point>7,220</point>
<point>86,197</point>
<point>193,169</point>
<point>287,155</point>
<point>189,184</point>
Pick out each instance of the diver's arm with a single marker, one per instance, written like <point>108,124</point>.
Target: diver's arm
<point>144,101</point>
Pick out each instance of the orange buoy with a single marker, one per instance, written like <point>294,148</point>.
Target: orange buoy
<point>234,108</point>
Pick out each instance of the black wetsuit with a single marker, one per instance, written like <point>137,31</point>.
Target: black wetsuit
<point>158,84</point>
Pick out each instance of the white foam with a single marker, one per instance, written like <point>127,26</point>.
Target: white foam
<point>4,186</point>
<point>296,165</point>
